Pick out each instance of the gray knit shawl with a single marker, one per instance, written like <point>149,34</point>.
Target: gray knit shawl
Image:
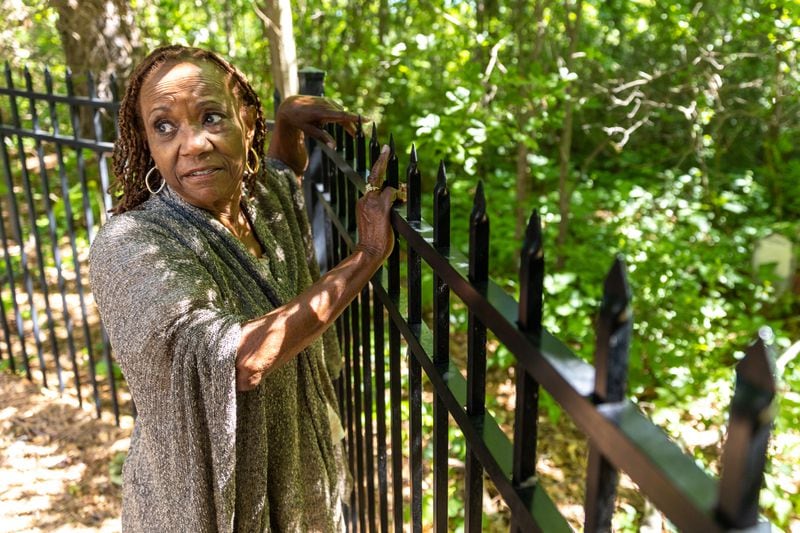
<point>174,287</point>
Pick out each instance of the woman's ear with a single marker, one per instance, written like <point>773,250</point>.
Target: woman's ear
<point>249,119</point>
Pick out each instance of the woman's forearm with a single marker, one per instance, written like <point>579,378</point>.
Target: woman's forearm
<point>270,341</point>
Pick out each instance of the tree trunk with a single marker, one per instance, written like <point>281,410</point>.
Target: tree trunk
<point>97,36</point>
<point>565,144</point>
<point>527,52</point>
<point>383,20</point>
<point>279,28</point>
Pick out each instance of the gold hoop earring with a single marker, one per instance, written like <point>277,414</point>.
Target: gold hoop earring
<point>147,182</point>
<point>247,167</point>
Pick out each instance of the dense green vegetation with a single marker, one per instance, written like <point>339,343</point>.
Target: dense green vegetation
<point>664,131</point>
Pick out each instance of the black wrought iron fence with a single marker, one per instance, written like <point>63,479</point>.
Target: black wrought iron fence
<point>53,200</point>
<point>386,456</point>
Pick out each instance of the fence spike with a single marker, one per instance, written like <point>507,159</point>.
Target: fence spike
<point>613,336</point>
<point>414,183</point>
<point>339,135</point>
<point>349,148</point>
<point>531,277</point>
<point>749,427</point>
<point>392,168</point>
<point>361,149</point>
<point>479,238</point>
<point>441,210</point>
<point>90,84</point>
<point>374,146</point>
<point>112,82</point>
<point>614,327</point>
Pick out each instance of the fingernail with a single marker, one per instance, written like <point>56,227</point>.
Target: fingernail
<point>385,149</point>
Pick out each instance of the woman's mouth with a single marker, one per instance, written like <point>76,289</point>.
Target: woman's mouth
<point>199,173</point>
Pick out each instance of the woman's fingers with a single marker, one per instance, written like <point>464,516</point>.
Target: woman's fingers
<point>378,172</point>
<point>315,132</point>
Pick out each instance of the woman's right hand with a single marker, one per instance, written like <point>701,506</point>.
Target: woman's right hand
<point>375,234</point>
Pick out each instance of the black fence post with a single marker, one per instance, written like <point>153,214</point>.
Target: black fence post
<point>531,280</point>
<point>414,276</point>
<point>380,373</point>
<point>395,393</point>
<point>476,357</point>
<point>611,375</point>
<point>441,350</point>
<point>744,455</point>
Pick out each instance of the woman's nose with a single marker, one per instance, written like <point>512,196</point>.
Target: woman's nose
<point>195,141</point>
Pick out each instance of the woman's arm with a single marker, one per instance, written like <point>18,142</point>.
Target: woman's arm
<point>302,115</point>
<point>273,339</point>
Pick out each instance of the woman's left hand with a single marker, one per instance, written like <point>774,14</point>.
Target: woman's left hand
<point>301,115</point>
<point>309,113</point>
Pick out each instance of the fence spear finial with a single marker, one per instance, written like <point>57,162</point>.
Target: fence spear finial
<point>749,427</point>
<point>531,274</point>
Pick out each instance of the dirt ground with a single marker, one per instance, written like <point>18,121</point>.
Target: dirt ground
<point>55,460</point>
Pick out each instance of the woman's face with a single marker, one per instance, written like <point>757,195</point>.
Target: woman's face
<point>198,132</point>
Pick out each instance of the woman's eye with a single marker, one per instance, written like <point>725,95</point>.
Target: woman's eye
<point>163,127</point>
<point>213,119</point>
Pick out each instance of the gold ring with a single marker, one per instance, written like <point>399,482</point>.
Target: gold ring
<point>370,187</point>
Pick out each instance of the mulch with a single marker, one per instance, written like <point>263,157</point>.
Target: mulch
<point>56,462</point>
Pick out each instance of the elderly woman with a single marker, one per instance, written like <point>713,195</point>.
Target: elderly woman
<point>206,284</point>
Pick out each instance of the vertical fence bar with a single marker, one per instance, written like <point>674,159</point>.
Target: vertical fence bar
<point>52,233</point>
<point>354,379</point>
<point>611,375</point>
<point>72,238</point>
<point>356,373</point>
<point>352,193</point>
<point>441,350</point>
<point>744,455</point>
<point>531,279</point>
<point>104,184</point>
<point>88,216</point>
<point>362,170</point>
<point>392,176</point>
<point>14,218</point>
<point>102,165</point>
<point>476,356</point>
<point>349,415</point>
<point>414,277</point>
<point>380,375</point>
<point>35,233</point>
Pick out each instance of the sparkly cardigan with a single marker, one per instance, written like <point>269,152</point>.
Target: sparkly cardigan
<point>174,287</point>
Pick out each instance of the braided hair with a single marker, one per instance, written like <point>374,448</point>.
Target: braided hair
<point>131,157</point>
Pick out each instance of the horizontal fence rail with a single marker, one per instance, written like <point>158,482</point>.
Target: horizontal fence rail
<point>388,464</point>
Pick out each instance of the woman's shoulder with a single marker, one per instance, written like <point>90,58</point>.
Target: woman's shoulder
<point>137,227</point>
